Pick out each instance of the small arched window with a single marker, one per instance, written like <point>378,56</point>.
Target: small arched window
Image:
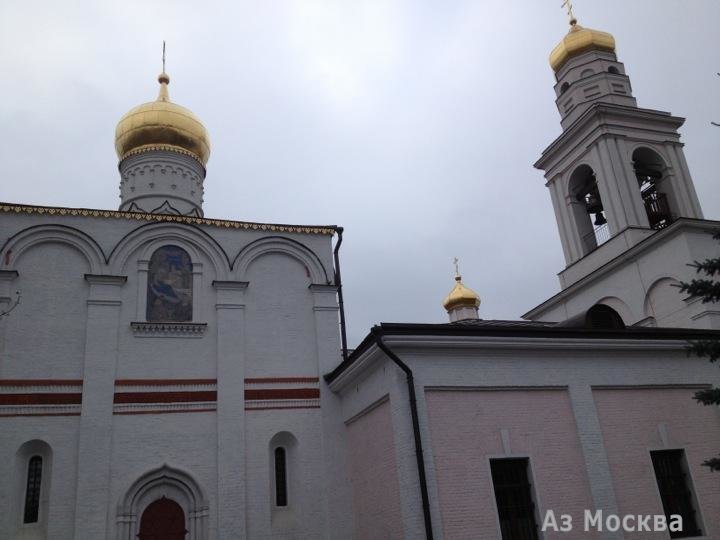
<point>587,73</point>
<point>614,70</point>
<point>170,287</point>
<point>32,490</point>
<point>564,88</point>
<point>281,484</point>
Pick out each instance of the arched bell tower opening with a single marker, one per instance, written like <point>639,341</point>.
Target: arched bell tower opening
<point>657,195</point>
<point>587,209</point>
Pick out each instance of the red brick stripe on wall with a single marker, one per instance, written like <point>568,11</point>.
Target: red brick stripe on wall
<point>164,397</point>
<point>283,393</point>
<point>39,414</point>
<point>40,399</point>
<point>40,382</point>
<point>160,411</point>
<point>282,380</point>
<point>281,408</point>
<point>162,382</point>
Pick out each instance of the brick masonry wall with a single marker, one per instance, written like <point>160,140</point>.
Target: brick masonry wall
<point>466,426</point>
<point>373,473</point>
<point>629,419</point>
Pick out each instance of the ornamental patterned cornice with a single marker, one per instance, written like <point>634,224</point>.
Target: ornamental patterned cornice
<point>168,329</point>
<point>161,148</point>
<point>143,216</point>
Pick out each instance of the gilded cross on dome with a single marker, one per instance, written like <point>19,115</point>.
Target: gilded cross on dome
<point>457,268</point>
<point>567,4</point>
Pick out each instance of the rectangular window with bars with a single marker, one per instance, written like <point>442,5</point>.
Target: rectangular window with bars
<point>676,490</point>
<point>32,490</point>
<point>514,498</point>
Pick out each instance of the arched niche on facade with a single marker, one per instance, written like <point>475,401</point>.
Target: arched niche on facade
<point>171,483</point>
<point>32,522</point>
<point>656,189</point>
<point>586,203</point>
<point>46,335</point>
<point>32,237</point>
<point>132,256</point>
<point>170,285</point>
<point>141,243</point>
<point>278,244</point>
<point>665,304</point>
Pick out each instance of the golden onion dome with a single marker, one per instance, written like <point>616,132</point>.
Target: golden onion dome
<point>461,296</point>
<point>577,41</point>
<point>162,125</point>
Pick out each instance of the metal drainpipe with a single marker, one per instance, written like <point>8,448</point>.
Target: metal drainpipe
<point>377,332</point>
<point>338,284</point>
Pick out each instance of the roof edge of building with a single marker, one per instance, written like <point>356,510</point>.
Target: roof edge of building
<point>144,216</point>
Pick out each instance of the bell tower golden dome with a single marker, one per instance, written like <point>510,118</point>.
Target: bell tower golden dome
<point>577,41</point>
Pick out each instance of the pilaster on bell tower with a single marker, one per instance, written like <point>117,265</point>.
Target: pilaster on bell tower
<point>616,169</point>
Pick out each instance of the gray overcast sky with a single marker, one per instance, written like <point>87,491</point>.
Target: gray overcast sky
<point>413,124</point>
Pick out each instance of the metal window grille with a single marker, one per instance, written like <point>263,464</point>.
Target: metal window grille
<point>675,490</point>
<point>32,490</point>
<point>281,498</point>
<point>514,499</point>
<point>657,208</point>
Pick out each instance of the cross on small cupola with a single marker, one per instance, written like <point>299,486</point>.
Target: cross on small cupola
<point>461,303</point>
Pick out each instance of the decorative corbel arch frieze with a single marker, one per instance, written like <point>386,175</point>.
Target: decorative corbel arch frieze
<point>172,483</point>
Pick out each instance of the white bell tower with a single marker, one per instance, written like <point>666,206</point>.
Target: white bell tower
<point>621,191</point>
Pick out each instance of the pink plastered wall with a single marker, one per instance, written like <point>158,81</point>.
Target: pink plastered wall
<point>373,473</point>
<point>465,428</point>
<point>629,420</point>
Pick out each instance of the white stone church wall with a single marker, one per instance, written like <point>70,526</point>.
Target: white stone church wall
<point>219,449</point>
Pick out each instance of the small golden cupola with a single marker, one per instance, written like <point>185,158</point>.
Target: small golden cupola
<point>578,41</point>
<point>461,303</point>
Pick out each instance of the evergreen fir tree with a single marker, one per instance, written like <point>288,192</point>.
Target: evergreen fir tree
<point>707,288</point>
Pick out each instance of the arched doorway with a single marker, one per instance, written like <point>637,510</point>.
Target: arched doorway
<point>175,485</point>
<point>163,519</point>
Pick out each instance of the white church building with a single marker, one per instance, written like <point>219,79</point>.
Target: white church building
<point>170,376</point>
